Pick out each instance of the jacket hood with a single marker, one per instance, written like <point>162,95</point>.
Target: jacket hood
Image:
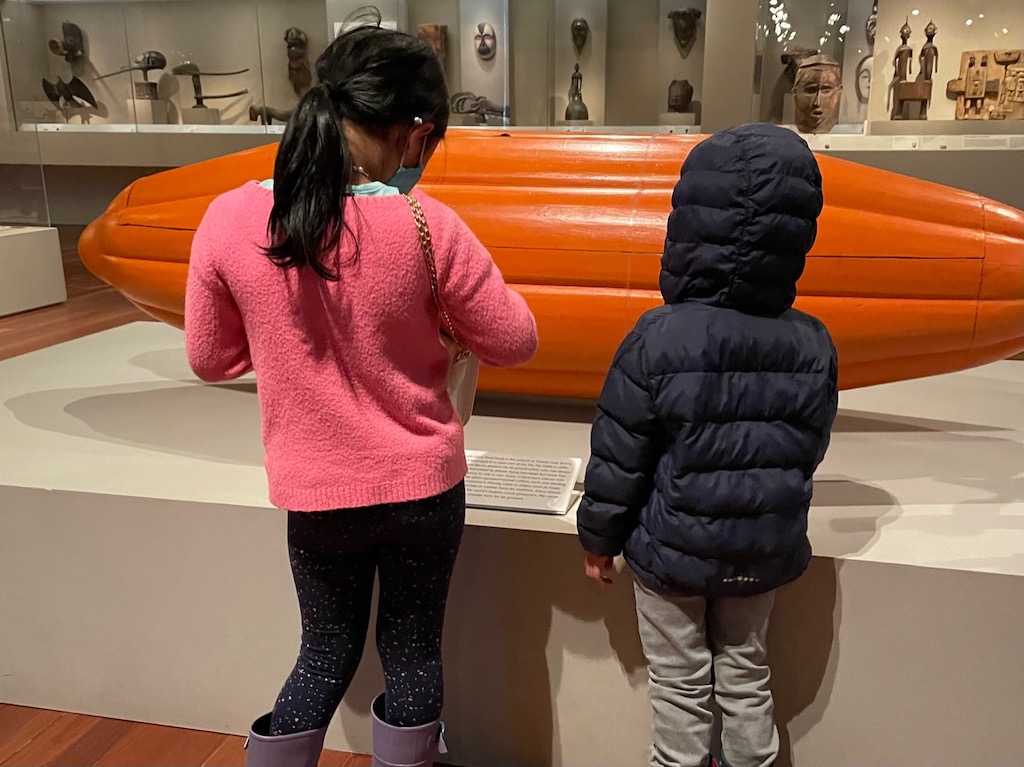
<point>744,215</point>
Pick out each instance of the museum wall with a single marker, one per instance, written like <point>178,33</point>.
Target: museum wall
<point>532,30</point>
<point>24,62</point>
<point>856,49</point>
<point>994,25</point>
<point>728,85</point>
<point>631,67</point>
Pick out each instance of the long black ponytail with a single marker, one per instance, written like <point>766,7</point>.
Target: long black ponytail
<point>375,77</point>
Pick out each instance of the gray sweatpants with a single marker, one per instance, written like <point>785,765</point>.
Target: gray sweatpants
<point>683,639</point>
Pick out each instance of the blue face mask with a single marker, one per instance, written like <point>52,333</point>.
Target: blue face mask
<point>406,178</point>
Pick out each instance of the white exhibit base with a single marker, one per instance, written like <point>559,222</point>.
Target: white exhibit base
<point>677,118</point>
<point>31,269</point>
<point>147,577</point>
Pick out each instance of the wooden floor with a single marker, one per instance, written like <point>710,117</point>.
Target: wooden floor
<point>32,737</point>
<point>92,306</point>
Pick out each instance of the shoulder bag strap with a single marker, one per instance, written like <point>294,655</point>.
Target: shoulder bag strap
<point>427,246</point>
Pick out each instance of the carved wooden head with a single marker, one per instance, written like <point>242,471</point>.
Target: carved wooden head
<point>580,34</point>
<point>680,95</point>
<point>905,31</point>
<point>485,41</point>
<point>684,26</point>
<point>297,43</point>
<point>816,94</point>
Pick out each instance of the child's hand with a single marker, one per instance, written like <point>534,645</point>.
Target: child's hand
<point>596,568</point>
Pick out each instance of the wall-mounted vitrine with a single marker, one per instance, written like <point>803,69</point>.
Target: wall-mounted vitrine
<point>897,73</point>
<point>22,181</point>
<point>159,65</point>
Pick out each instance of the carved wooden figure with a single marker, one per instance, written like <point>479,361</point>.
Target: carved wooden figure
<point>986,88</point>
<point>929,57</point>
<point>906,94</point>
<point>902,61</point>
<point>297,49</point>
<point>1011,96</point>
<point>576,109</point>
<point>904,54</point>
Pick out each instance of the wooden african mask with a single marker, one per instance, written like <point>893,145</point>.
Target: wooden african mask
<point>580,34</point>
<point>684,26</point>
<point>816,93</point>
<point>485,41</point>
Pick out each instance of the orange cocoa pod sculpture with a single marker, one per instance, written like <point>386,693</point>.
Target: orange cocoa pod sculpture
<point>911,278</point>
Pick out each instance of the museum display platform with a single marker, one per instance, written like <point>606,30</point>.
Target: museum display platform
<point>146,576</point>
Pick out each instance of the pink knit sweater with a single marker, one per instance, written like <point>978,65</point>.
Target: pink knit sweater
<point>351,374</point>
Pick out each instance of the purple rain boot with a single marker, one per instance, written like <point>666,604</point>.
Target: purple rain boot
<point>405,746</point>
<point>301,749</point>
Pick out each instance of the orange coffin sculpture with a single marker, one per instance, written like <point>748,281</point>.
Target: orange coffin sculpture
<point>911,278</point>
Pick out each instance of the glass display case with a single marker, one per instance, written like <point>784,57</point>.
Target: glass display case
<point>239,66</point>
<point>23,199</point>
<point>897,73</point>
<point>169,65</point>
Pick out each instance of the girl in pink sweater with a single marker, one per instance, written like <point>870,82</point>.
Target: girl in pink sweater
<point>317,282</point>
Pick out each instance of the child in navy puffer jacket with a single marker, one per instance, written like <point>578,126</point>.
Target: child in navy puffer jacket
<point>713,418</point>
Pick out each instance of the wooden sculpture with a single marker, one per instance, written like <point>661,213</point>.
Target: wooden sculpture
<point>990,87</point>
<point>911,278</point>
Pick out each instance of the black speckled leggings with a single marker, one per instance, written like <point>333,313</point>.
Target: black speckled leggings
<point>334,556</point>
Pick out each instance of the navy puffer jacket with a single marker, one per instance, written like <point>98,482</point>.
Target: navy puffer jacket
<point>719,405</point>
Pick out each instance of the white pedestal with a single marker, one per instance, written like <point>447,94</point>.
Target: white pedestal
<point>150,566</point>
<point>31,269</point>
<point>677,118</point>
<point>148,111</point>
<point>200,116</point>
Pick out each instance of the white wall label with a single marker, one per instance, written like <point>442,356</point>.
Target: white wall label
<point>517,483</point>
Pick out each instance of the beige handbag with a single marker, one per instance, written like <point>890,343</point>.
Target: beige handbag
<point>464,367</point>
